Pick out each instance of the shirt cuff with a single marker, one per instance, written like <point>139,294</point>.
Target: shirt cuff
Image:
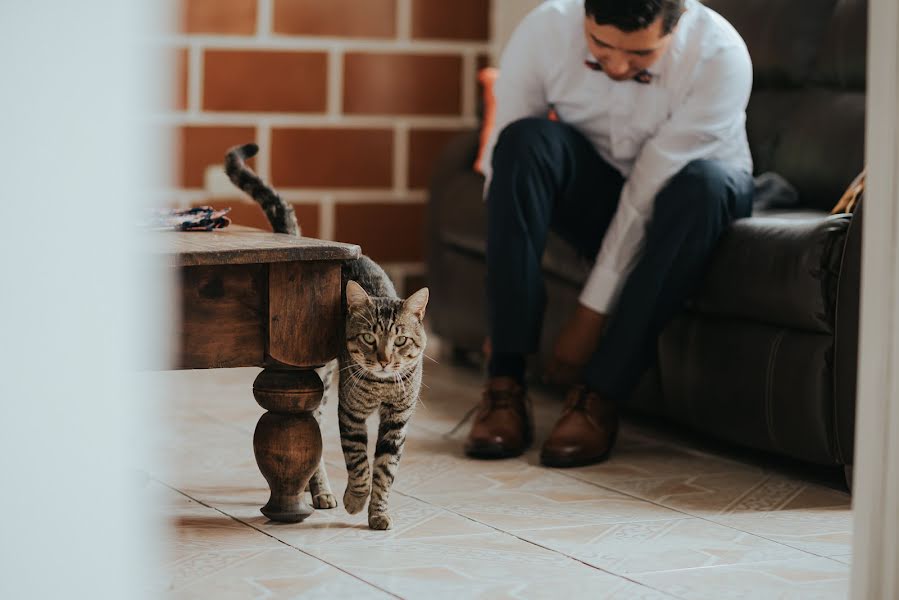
<point>601,290</point>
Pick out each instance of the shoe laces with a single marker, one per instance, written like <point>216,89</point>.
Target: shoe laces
<point>505,398</point>
<point>465,419</point>
<point>490,400</point>
<point>576,398</point>
<point>580,398</point>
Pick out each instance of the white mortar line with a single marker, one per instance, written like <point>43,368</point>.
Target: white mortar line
<point>401,157</point>
<point>359,196</point>
<point>410,268</point>
<point>404,20</point>
<point>319,120</point>
<point>335,83</point>
<point>326,218</point>
<point>399,271</point>
<point>324,44</point>
<point>468,84</point>
<point>495,46</point>
<point>396,276</point>
<point>265,19</point>
<point>368,196</point>
<point>264,158</point>
<point>194,79</point>
<point>363,196</point>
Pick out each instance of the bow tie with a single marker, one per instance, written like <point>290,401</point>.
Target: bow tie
<point>641,77</point>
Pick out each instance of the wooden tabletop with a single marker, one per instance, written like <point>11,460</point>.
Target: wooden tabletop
<point>236,245</point>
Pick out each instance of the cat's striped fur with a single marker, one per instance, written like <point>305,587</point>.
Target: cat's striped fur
<point>380,366</point>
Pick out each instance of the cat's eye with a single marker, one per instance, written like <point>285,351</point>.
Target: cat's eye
<point>400,341</point>
<point>369,339</point>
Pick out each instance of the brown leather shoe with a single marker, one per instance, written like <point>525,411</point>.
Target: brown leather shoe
<point>502,426</point>
<point>584,434</point>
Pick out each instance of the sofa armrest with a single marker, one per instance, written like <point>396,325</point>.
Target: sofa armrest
<point>455,203</point>
<point>457,157</point>
<point>777,271</point>
<point>846,342</point>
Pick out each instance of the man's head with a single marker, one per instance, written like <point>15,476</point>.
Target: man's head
<point>629,36</point>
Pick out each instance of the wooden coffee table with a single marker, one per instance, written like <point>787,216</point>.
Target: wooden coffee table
<point>249,298</point>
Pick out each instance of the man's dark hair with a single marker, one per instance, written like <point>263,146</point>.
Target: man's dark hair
<point>633,15</point>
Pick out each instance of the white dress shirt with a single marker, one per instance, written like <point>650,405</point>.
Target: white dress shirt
<point>693,109</point>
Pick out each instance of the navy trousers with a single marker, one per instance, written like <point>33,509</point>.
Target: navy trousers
<point>547,176</point>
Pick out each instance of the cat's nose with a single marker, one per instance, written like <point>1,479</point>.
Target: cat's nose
<point>384,363</point>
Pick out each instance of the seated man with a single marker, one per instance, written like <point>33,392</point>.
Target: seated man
<point>647,164</point>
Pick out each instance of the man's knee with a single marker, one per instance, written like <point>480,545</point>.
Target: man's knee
<point>699,189</point>
<point>524,139</point>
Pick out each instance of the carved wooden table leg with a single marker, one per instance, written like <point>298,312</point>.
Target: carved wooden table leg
<point>304,327</point>
<point>287,442</point>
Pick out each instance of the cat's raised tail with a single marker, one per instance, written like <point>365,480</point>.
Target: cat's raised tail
<point>280,213</point>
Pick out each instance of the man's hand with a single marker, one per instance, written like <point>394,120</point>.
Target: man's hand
<point>577,342</point>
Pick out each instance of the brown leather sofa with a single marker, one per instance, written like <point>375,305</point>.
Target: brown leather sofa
<point>765,354</point>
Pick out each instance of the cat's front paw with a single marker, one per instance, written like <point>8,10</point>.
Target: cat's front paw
<point>324,501</point>
<point>379,521</point>
<point>354,503</point>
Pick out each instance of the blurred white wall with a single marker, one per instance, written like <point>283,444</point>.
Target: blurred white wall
<point>77,301</point>
<point>875,501</point>
<point>506,16</point>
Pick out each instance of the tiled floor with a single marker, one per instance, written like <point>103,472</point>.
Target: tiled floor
<point>662,519</point>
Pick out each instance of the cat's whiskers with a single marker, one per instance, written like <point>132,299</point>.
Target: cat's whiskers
<point>398,378</point>
<point>421,400</point>
<point>356,377</point>
<point>429,358</point>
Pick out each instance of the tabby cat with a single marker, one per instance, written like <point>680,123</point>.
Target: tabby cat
<point>380,366</point>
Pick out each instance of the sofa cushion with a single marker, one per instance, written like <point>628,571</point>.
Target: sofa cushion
<point>777,271</point>
<point>842,60</point>
<point>794,132</point>
<point>783,38</point>
<point>826,128</point>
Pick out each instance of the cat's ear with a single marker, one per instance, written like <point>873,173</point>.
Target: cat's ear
<point>417,303</point>
<point>355,296</point>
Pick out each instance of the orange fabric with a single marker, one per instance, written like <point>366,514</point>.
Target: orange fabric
<point>852,196</point>
<point>488,77</point>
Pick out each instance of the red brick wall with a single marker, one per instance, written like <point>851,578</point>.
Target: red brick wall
<point>349,100</point>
